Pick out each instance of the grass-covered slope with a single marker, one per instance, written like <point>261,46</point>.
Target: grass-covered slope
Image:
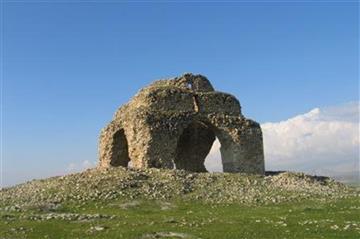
<point>123,203</point>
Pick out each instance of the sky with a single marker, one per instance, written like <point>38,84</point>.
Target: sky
<point>67,66</point>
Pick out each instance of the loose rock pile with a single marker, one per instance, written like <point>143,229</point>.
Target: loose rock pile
<point>66,217</point>
<point>162,184</point>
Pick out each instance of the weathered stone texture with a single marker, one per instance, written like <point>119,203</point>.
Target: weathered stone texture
<point>173,124</point>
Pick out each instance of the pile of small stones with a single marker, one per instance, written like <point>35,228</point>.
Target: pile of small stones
<point>162,184</point>
<point>66,217</point>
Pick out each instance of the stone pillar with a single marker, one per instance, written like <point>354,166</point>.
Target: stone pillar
<point>242,148</point>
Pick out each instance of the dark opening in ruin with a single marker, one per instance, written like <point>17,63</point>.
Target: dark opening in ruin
<point>120,156</point>
<point>193,146</point>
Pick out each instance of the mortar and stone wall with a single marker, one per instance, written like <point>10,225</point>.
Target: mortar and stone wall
<point>173,123</point>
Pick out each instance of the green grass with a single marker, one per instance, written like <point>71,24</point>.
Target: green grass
<point>305,219</point>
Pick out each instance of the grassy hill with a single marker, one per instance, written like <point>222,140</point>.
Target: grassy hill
<point>154,203</point>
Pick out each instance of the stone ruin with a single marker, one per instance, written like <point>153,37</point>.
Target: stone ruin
<point>173,123</point>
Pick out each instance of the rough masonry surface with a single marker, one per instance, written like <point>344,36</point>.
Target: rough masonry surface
<point>173,123</point>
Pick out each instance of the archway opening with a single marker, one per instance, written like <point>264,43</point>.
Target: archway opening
<point>120,155</point>
<point>193,147</point>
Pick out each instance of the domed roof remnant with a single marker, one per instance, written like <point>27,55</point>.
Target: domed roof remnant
<point>173,123</point>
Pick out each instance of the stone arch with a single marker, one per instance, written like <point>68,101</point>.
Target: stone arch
<point>228,146</point>
<point>114,146</point>
<point>241,146</point>
<point>193,145</point>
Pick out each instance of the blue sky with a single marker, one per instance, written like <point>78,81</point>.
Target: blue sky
<point>68,66</point>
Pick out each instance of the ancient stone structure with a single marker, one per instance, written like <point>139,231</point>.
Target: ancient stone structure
<point>174,122</point>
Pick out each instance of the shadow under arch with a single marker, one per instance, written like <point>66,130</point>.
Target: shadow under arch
<point>194,144</point>
<point>120,156</point>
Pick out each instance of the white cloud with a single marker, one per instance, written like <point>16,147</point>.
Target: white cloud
<point>322,141</point>
<point>71,167</point>
<point>87,164</point>
<point>77,167</point>
<point>213,160</point>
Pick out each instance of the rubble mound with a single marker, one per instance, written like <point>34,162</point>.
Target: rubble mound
<point>162,184</point>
